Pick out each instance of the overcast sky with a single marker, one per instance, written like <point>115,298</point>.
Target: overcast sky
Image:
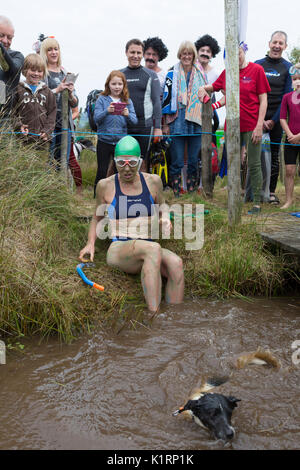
<point>92,33</point>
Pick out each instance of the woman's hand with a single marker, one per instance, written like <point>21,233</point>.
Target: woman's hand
<point>24,129</point>
<point>89,249</point>
<point>202,93</point>
<point>257,135</point>
<point>111,108</point>
<point>125,112</point>
<point>294,139</point>
<point>44,136</point>
<point>165,129</point>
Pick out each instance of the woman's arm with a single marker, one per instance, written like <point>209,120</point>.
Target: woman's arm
<point>131,116</point>
<point>203,91</point>
<point>100,111</point>
<point>92,235</point>
<point>285,127</point>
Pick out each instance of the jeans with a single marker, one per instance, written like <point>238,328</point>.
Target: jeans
<point>177,154</point>
<point>254,165</point>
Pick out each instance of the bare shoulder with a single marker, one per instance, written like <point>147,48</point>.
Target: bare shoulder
<point>155,186</point>
<point>105,190</point>
<point>154,180</point>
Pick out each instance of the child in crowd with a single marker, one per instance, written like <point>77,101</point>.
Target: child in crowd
<point>113,110</point>
<point>290,123</point>
<point>34,103</point>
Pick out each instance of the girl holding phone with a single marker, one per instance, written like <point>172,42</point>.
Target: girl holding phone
<point>113,111</point>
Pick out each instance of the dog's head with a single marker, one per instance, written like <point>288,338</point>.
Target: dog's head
<point>84,144</point>
<point>213,411</point>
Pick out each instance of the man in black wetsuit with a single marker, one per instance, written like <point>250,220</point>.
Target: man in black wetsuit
<point>144,89</point>
<point>11,63</point>
<point>277,72</point>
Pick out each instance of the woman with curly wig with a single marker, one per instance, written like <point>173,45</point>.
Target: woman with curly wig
<point>155,51</point>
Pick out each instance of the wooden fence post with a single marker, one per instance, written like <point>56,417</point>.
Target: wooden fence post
<point>206,150</point>
<point>233,111</point>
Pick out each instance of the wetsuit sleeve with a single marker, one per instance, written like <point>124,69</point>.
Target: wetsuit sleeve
<point>287,89</point>
<point>132,116</point>
<point>156,101</point>
<point>100,112</point>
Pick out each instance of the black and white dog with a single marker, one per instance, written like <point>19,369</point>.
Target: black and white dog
<point>211,411</point>
<point>81,145</point>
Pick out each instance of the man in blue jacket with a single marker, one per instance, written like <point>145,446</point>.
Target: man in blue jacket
<point>277,72</point>
<point>11,63</point>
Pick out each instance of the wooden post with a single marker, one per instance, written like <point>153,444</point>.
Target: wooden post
<point>232,111</point>
<point>64,137</point>
<point>206,150</point>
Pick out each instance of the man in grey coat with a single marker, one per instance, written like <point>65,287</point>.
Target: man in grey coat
<point>11,63</point>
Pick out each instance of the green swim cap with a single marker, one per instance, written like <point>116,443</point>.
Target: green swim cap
<point>128,146</point>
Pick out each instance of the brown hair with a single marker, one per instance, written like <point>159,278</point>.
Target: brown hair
<point>125,93</point>
<point>136,42</point>
<point>34,62</point>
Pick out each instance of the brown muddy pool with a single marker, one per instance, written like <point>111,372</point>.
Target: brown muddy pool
<point>115,392</point>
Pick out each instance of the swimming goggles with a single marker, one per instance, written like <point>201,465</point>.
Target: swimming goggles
<point>294,70</point>
<point>132,162</point>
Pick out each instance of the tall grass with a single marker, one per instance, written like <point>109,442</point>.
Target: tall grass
<point>41,236</point>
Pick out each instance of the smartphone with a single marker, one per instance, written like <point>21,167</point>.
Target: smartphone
<point>206,99</point>
<point>119,107</point>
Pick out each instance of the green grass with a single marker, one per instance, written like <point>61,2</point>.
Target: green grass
<point>41,236</point>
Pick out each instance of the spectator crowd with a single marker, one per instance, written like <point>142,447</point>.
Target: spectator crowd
<point>157,106</point>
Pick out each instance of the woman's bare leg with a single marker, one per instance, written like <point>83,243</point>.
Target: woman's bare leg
<point>290,171</point>
<point>172,269</point>
<point>136,256</point>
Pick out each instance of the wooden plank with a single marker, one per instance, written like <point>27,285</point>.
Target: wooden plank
<point>283,231</point>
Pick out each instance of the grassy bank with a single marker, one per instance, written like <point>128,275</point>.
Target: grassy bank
<point>41,235</point>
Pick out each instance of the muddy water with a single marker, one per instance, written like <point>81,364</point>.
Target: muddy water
<point>108,391</point>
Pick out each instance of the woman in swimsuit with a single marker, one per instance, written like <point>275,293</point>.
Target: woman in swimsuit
<point>130,195</point>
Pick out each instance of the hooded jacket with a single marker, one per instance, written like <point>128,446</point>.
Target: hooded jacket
<point>37,110</point>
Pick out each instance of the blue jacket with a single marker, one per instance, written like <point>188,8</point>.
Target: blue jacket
<point>110,127</point>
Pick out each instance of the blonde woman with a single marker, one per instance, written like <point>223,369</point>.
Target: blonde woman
<point>56,81</point>
<point>182,119</point>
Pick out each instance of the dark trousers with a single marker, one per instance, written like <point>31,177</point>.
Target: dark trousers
<point>275,138</point>
<point>105,153</point>
<point>143,136</point>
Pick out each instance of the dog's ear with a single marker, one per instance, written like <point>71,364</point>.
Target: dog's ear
<point>233,401</point>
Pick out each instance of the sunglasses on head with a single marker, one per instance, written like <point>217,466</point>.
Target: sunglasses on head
<point>132,161</point>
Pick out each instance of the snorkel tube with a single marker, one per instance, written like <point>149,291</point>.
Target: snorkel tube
<point>79,269</point>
